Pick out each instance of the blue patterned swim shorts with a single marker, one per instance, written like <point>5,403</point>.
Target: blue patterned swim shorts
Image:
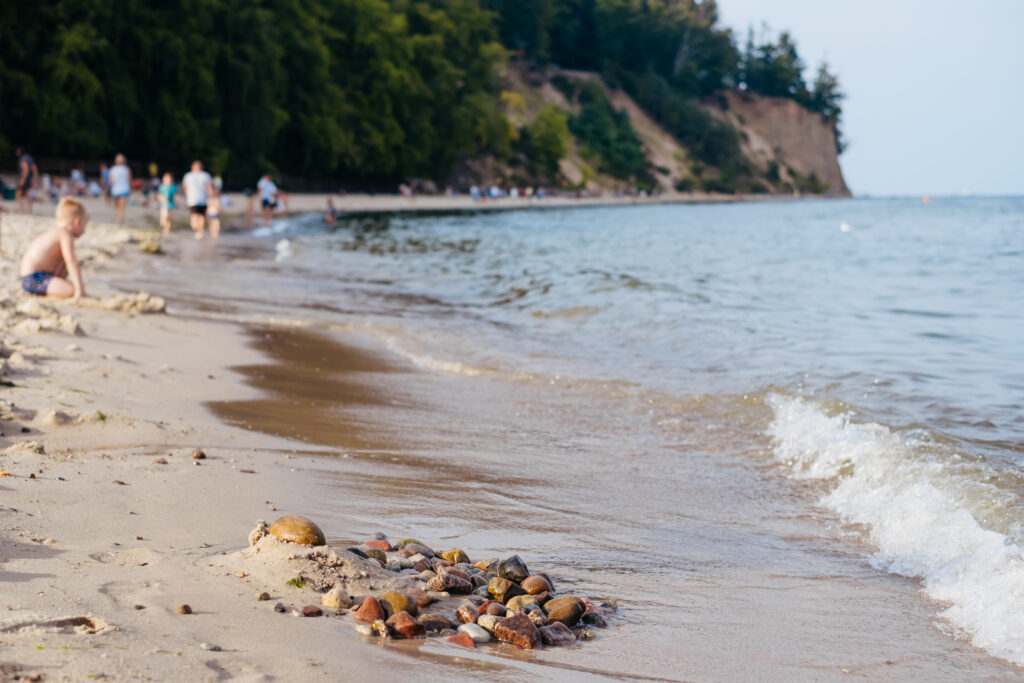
<point>37,282</point>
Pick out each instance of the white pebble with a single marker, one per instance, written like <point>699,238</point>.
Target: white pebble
<point>476,633</point>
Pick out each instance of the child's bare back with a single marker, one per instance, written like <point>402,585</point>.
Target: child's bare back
<point>49,266</point>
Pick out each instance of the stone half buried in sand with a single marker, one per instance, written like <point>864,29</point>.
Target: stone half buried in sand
<point>297,529</point>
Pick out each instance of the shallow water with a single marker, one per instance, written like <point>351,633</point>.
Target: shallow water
<point>784,447</point>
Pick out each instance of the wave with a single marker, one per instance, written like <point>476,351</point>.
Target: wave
<point>929,510</point>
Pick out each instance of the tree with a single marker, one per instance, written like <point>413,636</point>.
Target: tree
<point>547,138</point>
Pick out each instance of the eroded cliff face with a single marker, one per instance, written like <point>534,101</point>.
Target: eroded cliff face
<point>781,137</point>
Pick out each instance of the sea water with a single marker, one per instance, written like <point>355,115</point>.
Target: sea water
<point>723,404</point>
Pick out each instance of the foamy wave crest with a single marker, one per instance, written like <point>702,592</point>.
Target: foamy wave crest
<point>452,367</point>
<point>922,510</point>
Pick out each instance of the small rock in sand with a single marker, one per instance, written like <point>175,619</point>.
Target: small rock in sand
<point>297,529</point>
<point>279,608</point>
<point>184,609</point>
<point>463,639</point>
<point>478,634</point>
<point>263,596</point>
<point>370,610</point>
<point>197,454</point>
<point>312,611</point>
<point>336,599</point>
<point>210,646</point>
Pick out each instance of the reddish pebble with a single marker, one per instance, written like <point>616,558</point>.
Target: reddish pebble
<point>312,611</point>
<point>405,626</point>
<point>519,631</point>
<point>483,608</point>
<point>370,610</point>
<point>463,639</point>
<point>466,614</point>
<point>380,544</point>
<point>536,584</point>
<point>456,572</point>
<point>497,609</point>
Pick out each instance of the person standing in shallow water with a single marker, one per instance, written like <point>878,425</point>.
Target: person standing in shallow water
<point>28,178</point>
<point>198,185</point>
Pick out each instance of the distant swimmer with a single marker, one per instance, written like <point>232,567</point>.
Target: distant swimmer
<point>845,227</point>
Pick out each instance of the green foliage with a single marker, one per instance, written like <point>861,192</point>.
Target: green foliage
<point>296,582</point>
<point>606,134</point>
<point>546,139</point>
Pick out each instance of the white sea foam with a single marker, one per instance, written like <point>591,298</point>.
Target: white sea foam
<point>428,362</point>
<point>922,512</point>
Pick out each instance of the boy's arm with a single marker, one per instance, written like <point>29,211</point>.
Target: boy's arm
<point>67,250</point>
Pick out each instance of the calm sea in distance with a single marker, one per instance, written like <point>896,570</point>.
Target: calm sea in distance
<point>716,415</point>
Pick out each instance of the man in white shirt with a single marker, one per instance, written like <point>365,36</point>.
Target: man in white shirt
<point>268,197</point>
<point>197,185</point>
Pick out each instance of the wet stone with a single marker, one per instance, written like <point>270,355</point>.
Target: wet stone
<point>455,555</point>
<point>513,568</point>
<point>477,633</point>
<point>375,554</point>
<point>358,553</point>
<point>517,603</point>
<point>370,610</point>
<point>557,634</point>
<point>419,548</point>
<point>297,529</point>
<point>436,622</point>
<point>536,584</point>
<point>423,566</point>
<point>594,619</point>
<point>488,622</point>
<point>450,583</point>
<point>567,610</point>
<point>462,639</point>
<point>401,602</point>
<point>380,544</point>
<point>467,614</point>
<point>519,631</point>
<point>405,626</point>
<point>422,598</point>
<point>503,589</point>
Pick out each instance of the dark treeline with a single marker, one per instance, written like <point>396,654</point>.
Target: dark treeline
<point>360,91</point>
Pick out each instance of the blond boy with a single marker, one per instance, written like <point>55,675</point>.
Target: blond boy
<point>49,267</point>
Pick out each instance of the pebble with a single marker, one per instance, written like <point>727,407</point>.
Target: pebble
<point>455,555</point>
<point>401,602</point>
<point>376,554</point>
<point>513,568</point>
<point>336,599</point>
<point>536,584</point>
<point>297,529</point>
<point>184,609</point>
<point>379,544</point>
<point>436,622</point>
<point>312,611</point>
<point>478,634</point>
<point>519,602</point>
<point>370,610</point>
<point>557,634</point>
<point>450,583</point>
<point>263,596</point>
<point>467,614</point>
<point>405,626</point>
<point>594,619</point>
<point>488,621</point>
<point>567,610</point>
<point>198,455</point>
<point>463,639</point>
<point>279,608</point>
<point>210,646</point>
<point>519,631</point>
<point>503,589</point>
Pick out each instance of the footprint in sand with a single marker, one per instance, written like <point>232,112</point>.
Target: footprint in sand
<point>66,625</point>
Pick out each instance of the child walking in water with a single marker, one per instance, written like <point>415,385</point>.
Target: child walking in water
<point>166,192</point>
<point>50,267</point>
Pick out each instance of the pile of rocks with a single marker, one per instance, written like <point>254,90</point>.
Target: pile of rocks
<point>449,595</point>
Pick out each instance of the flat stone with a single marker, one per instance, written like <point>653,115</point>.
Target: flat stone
<point>463,639</point>
<point>513,568</point>
<point>436,622</point>
<point>455,555</point>
<point>557,634</point>
<point>401,602</point>
<point>423,566</point>
<point>405,626</point>
<point>419,548</point>
<point>422,598</point>
<point>467,614</point>
<point>379,544</point>
<point>312,611</point>
<point>297,529</point>
<point>370,610</point>
<point>567,610</point>
<point>519,631</point>
<point>477,633</point>
<point>536,584</point>
<point>457,572</point>
<point>503,589</point>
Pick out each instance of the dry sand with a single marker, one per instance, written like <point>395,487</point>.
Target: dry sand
<point>107,524</point>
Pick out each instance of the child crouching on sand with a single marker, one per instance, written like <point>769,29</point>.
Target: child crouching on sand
<point>50,262</point>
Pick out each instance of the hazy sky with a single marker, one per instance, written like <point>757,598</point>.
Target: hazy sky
<point>935,90</point>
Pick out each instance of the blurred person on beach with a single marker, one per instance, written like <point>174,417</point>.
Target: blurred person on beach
<point>213,211</point>
<point>120,185</point>
<point>332,213</point>
<point>105,182</point>
<point>268,198</point>
<point>281,205</point>
<point>28,178</point>
<point>166,193</point>
<point>198,185</point>
<point>49,266</point>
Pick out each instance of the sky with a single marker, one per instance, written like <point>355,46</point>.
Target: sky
<point>934,90</point>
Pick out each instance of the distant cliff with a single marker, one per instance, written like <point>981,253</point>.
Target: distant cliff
<point>789,144</point>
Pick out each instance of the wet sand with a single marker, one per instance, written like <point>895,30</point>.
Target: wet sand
<point>717,574</point>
